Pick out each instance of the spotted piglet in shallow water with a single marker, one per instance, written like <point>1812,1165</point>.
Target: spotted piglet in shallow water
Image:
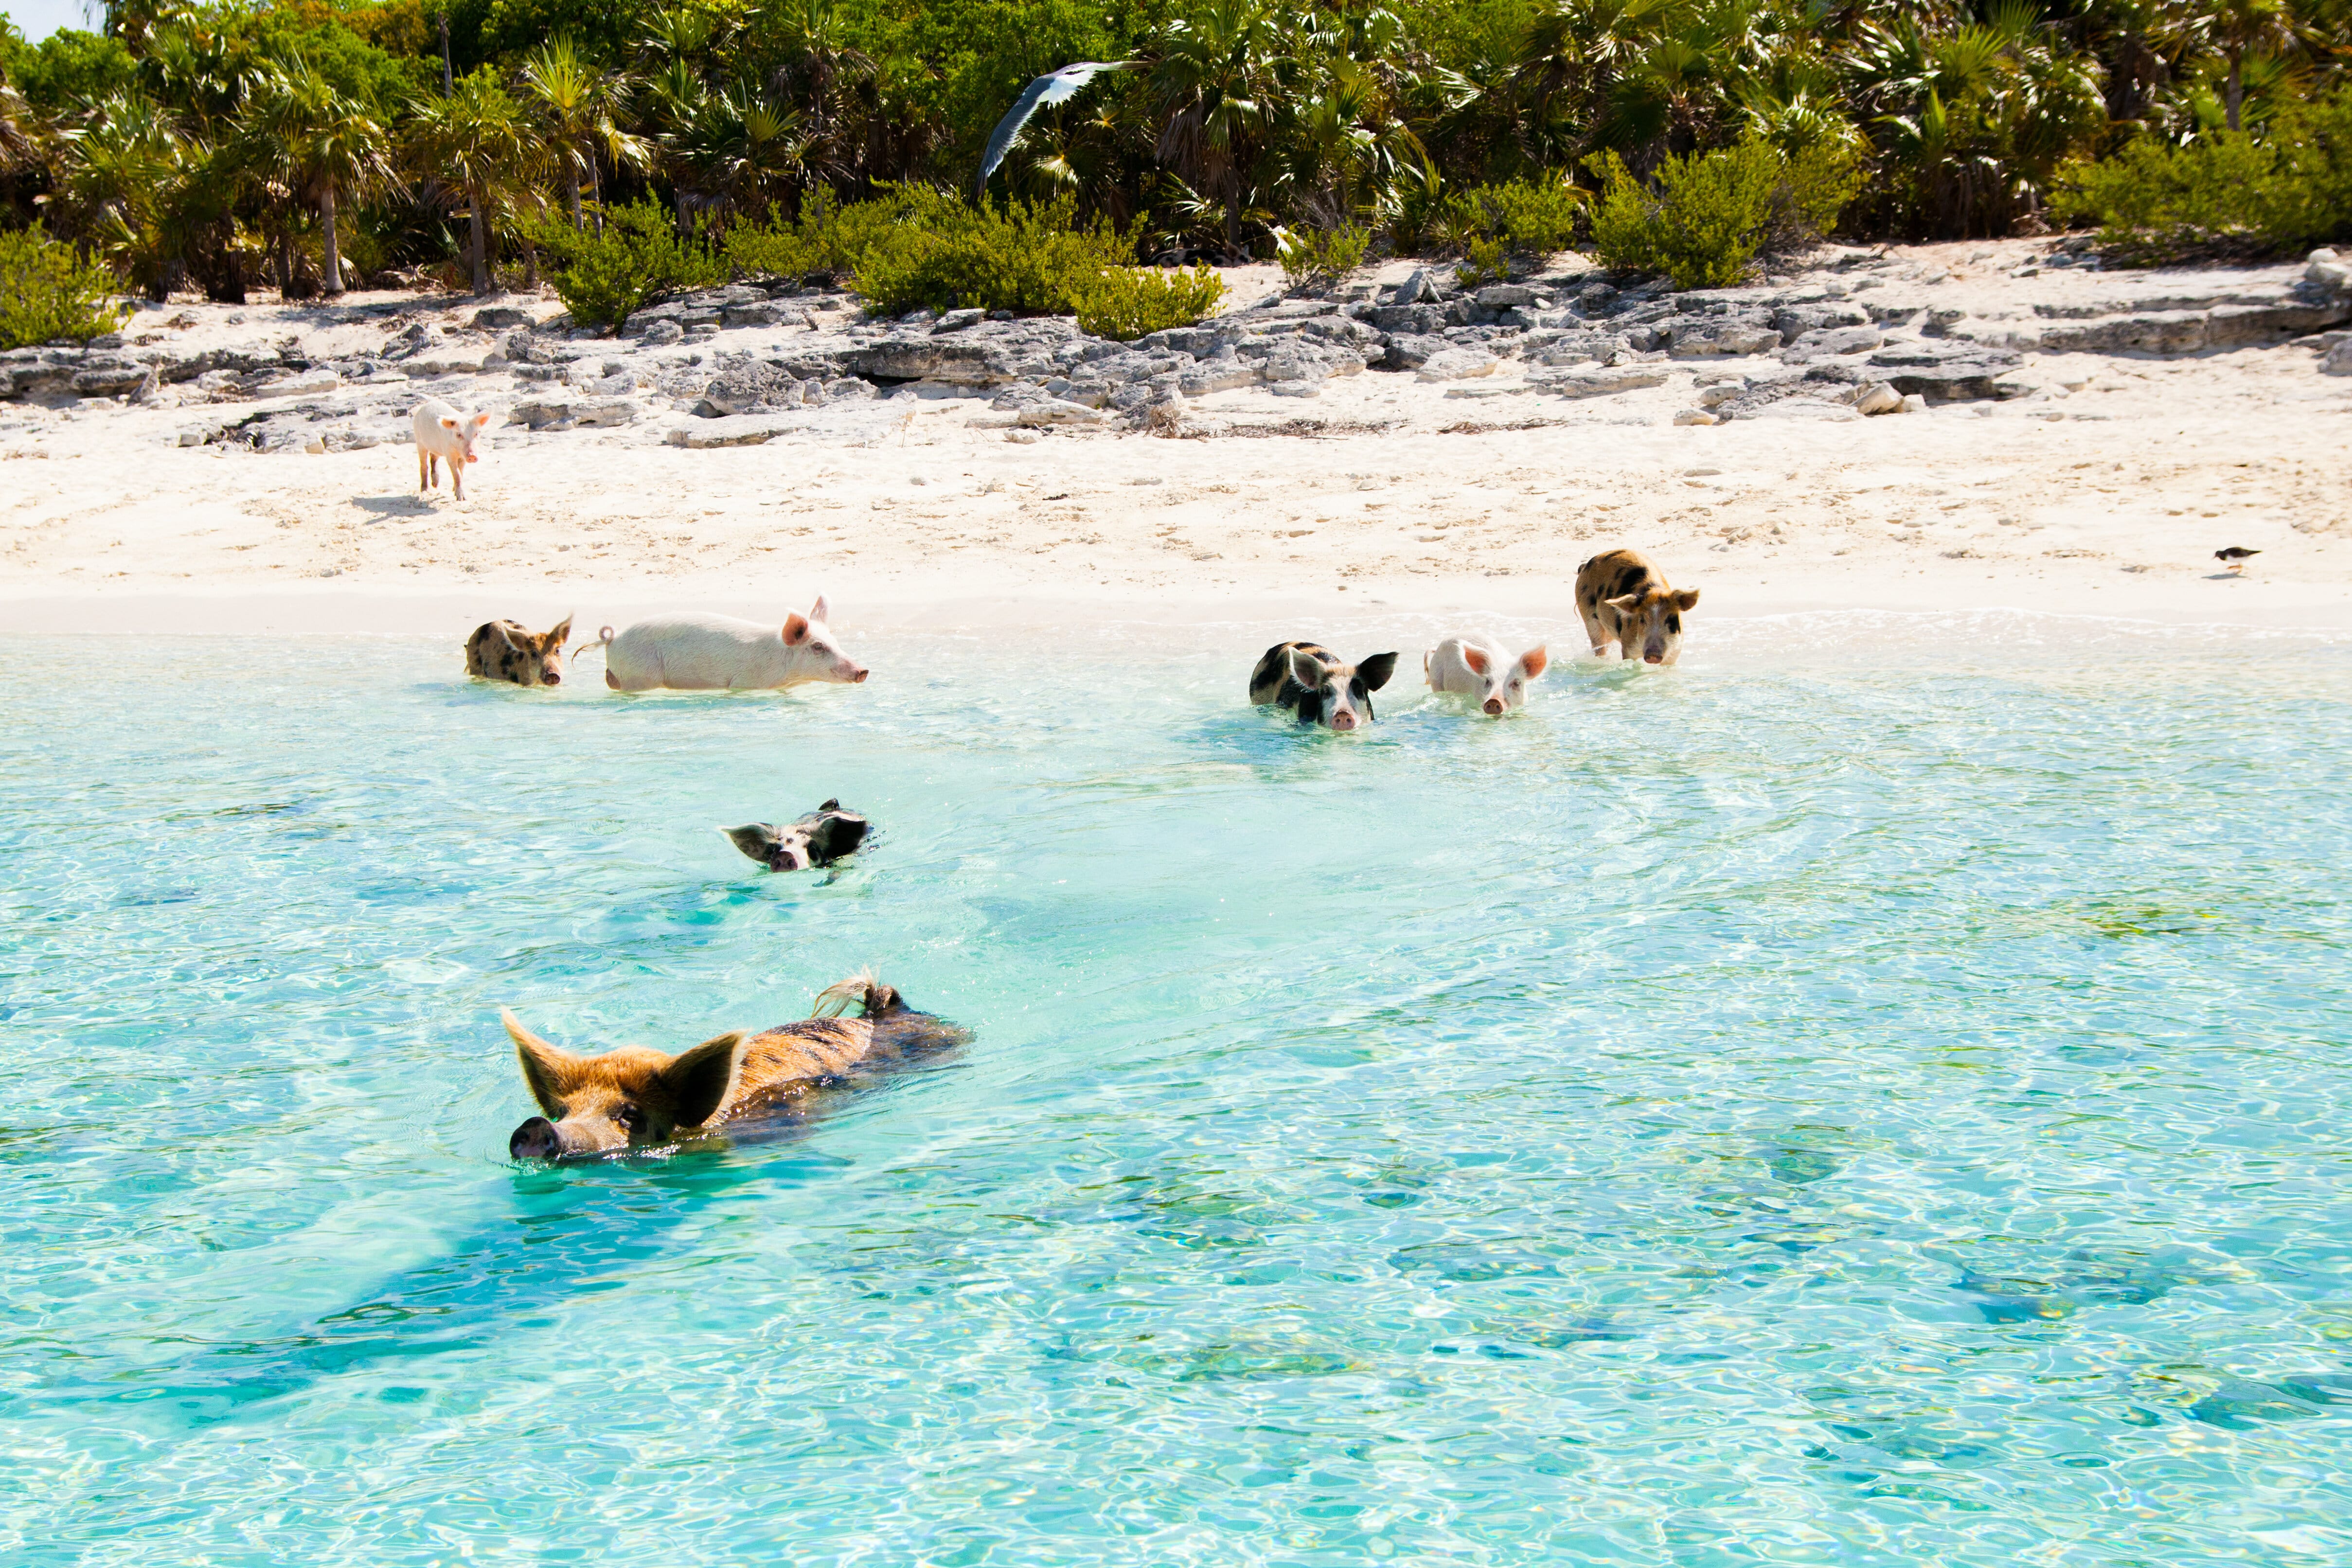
<point>503,650</point>
<point>819,838</point>
<point>1311,681</point>
<point>1625,600</point>
<point>1479,668</point>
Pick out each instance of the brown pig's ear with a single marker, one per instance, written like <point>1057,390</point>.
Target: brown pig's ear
<point>1687,599</point>
<point>545,1064</point>
<point>1625,604</point>
<point>700,1081</point>
<point>796,629</point>
<point>555,639</point>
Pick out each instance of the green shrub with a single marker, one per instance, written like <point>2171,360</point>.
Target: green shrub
<point>1321,256</point>
<point>1711,215</point>
<point>827,239</point>
<point>636,258</point>
<point>1530,218</point>
<point>1486,261</point>
<point>1126,302</point>
<point>2286,191</point>
<point>49,292</point>
<point>1021,256</point>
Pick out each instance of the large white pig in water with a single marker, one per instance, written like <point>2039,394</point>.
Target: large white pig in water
<point>1477,668</point>
<point>700,652</point>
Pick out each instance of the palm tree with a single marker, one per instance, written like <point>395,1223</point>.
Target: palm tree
<point>478,141</point>
<point>318,144</point>
<point>2237,28</point>
<point>1208,89</point>
<point>574,105</point>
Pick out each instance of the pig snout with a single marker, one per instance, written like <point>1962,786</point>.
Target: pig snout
<point>1343,721</point>
<point>548,678</point>
<point>857,674</point>
<point>534,1139</point>
<point>1494,706</point>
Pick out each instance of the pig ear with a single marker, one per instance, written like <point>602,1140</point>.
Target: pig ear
<point>697,1082</point>
<point>1625,604</point>
<point>1475,658</point>
<point>1374,672</point>
<point>448,424</point>
<point>819,613</point>
<point>1535,661</point>
<point>545,1065</point>
<point>796,630</point>
<point>1305,669</point>
<point>839,836</point>
<point>752,839</point>
<point>554,639</point>
<point>1687,599</point>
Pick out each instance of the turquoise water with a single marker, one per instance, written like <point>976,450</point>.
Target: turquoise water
<point>1874,1094</point>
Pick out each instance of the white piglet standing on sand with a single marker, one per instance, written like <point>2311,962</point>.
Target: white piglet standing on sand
<point>443,433</point>
<point>1478,667</point>
<point>718,653</point>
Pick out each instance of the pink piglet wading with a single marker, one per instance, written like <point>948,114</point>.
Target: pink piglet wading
<point>701,652</point>
<point>445,435</point>
<point>1478,667</point>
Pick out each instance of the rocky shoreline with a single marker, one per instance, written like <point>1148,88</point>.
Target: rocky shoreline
<point>1857,333</point>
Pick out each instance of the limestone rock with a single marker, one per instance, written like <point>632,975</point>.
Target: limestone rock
<point>2338,361</point>
<point>1054,411</point>
<point>962,360</point>
<point>749,388</point>
<point>497,318</point>
<point>1699,337</point>
<point>1458,364</point>
<point>738,430</point>
<point>1879,397</point>
<point>1695,416</point>
<point>1599,383</point>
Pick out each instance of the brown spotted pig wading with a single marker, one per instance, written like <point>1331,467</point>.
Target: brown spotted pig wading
<point>1625,600</point>
<point>503,650</point>
<point>634,1098</point>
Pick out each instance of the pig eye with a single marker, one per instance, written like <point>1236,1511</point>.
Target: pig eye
<point>632,1119</point>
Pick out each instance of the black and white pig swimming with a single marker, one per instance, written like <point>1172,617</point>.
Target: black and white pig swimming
<point>1310,681</point>
<point>818,838</point>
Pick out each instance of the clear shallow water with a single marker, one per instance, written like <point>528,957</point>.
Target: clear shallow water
<point>1807,1107</point>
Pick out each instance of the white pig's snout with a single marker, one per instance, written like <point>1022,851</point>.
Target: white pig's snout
<point>1493,705</point>
<point>859,679</point>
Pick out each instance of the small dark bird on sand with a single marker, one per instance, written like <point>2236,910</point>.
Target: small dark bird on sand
<point>2235,556</point>
<point>820,838</point>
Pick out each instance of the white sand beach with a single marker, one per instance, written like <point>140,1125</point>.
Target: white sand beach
<point>2102,489</point>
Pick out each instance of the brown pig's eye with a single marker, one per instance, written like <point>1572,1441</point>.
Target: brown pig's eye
<point>631,1119</point>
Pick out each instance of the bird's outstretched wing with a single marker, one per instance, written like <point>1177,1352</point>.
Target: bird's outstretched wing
<point>1055,87</point>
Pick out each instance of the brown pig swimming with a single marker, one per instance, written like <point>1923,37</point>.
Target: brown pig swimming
<point>634,1098</point>
<point>503,650</point>
<point>1625,600</point>
<point>1309,681</point>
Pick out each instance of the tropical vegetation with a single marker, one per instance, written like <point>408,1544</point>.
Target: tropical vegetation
<point>634,146</point>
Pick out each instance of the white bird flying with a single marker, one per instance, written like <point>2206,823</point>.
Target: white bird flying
<point>1055,87</point>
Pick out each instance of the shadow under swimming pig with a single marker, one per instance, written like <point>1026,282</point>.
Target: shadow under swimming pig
<point>634,1098</point>
<point>817,838</point>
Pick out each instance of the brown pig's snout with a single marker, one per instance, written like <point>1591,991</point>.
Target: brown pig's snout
<point>1494,706</point>
<point>534,1139</point>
